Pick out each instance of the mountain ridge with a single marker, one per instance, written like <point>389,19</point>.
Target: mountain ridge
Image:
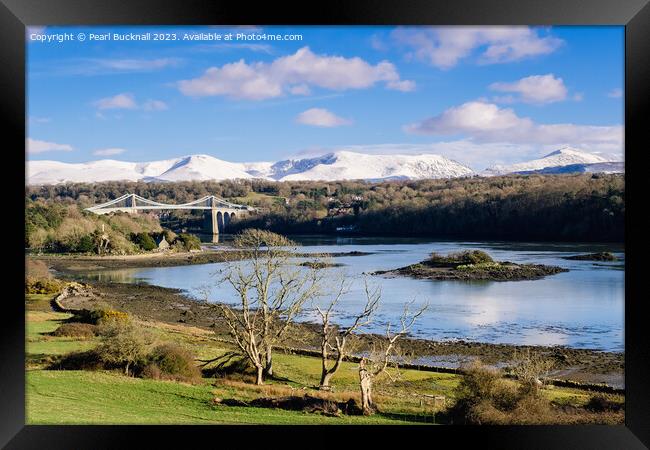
<point>564,156</point>
<point>332,166</point>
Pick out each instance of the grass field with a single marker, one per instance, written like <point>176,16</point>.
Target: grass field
<point>106,397</point>
<point>77,397</point>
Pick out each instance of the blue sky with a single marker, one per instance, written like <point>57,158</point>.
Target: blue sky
<point>479,95</point>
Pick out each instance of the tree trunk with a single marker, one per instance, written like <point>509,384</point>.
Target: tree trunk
<point>126,369</point>
<point>325,379</point>
<point>268,367</point>
<point>260,375</point>
<point>326,375</point>
<point>365,383</point>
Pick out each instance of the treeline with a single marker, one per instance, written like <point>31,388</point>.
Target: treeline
<point>581,207</point>
<point>65,228</point>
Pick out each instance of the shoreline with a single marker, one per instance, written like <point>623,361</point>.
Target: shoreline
<point>73,264</point>
<point>471,266</point>
<point>173,307</point>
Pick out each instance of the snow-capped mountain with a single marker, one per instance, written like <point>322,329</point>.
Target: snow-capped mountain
<point>201,168</point>
<point>339,165</point>
<point>333,166</point>
<point>604,167</point>
<point>53,172</point>
<point>563,157</point>
<point>344,165</point>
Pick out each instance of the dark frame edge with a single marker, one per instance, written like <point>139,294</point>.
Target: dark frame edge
<point>637,345</point>
<point>12,115</point>
<point>634,434</point>
<point>344,12</point>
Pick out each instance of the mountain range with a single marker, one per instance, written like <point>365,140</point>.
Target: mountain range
<point>339,165</point>
<point>563,157</point>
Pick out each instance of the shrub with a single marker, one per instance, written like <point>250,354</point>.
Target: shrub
<point>120,245</point>
<point>76,329</point>
<point>151,371</point>
<point>483,396</point>
<point>172,362</point>
<point>86,244</point>
<point>472,257</point>
<point>480,383</point>
<point>479,266</point>
<point>602,403</point>
<point>122,344</point>
<point>99,316</point>
<point>464,257</point>
<point>42,285</point>
<point>144,241</point>
<point>169,235</point>
<point>88,360</point>
<point>188,242</point>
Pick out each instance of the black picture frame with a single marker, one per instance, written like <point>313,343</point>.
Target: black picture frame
<point>633,14</point>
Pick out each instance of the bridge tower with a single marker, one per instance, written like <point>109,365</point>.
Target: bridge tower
<point>130,203</point>
<point>211,218</point>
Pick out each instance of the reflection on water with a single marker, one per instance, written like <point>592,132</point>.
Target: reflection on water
<point>581,308</point>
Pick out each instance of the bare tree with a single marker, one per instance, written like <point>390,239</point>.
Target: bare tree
<point>531,369</point>
<point>271,293</point>
<point>334,338</point>
<point>378,360</point>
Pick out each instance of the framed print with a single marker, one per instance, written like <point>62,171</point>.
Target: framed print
<point>362,215</point>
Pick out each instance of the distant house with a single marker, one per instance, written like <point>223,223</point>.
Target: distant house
<point>162,243</point>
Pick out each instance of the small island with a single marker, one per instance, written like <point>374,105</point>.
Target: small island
<point>472,265</point>
<point>319,264</point>
<point>600,256</point>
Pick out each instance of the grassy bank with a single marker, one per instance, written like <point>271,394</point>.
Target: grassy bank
<point>109,397</point>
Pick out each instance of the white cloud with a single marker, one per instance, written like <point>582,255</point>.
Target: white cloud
<point>445,46</point>
<point>36,146</point>
<point>154,105</point>
<point>260,81</point>
<point>108,151</point>
<point>135,65</point>
<point>319,117</point>
<point>127,101</point>
<point>615,93</point>
<point>224,46</point>
<point>102,66</point>
<point>486,122</point>
<point>247,28</point>
<point>536,89</point>
<point>119,101</point>
<point>300,89</point>
<point>401,85</point>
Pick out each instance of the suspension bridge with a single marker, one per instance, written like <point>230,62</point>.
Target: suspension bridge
<point>218,212</point>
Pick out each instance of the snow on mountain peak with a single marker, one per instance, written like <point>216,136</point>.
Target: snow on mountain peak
<point>562,157</point>
<point>337,165</point>
<point>351,165</point>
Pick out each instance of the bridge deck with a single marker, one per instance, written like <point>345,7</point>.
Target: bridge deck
<point>133,202</point>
